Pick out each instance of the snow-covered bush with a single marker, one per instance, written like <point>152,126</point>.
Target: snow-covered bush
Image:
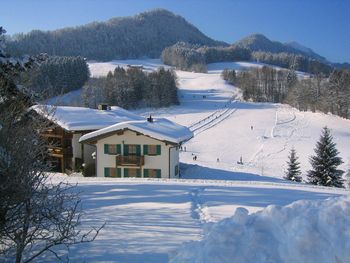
<point>304,231</point>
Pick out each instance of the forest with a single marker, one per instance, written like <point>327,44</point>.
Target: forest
<point>194,58</point>
<point>132,88</point>
<point>190,57</point>
<point>294,61</point>
<point>145,34</point>
<point>315,93</point>
<point>55,76</point>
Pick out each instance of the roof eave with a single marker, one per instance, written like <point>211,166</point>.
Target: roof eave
<point>94,139</point>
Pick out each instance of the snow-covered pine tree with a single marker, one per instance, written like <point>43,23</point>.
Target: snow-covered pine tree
<point>325,163</point>
<point>293,171</point>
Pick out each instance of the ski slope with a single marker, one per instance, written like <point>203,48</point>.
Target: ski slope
<point>228,129</point>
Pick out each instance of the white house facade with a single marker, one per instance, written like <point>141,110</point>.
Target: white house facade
<point>146,148</point>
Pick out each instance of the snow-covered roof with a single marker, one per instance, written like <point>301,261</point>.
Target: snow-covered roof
<point>160,128</point>
<point>85,119</point>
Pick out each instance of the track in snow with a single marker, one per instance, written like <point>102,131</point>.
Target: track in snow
<point>199,210</point>
<point>287,126</point>
<point>214,118</point>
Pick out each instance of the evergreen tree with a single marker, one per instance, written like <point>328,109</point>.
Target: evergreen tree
<point>132,88</point>
<point>293,171</point>
<point>325,162</point>
<point>56,75</point>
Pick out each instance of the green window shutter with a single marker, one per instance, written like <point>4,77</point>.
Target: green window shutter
<point>138,173</point>
<point>106,171</point>
<point>145,150</point>
<point>119,172</point>
<point>119,149</point>
<point>159,150</point>
<point>126,149</point>
<point>158,172</point>
<point>106,148</point>
<point>138,150</point>
<point>145,172</point>
<point>126,172</point>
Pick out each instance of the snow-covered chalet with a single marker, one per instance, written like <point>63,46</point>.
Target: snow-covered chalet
<point>118,142</point>
<point>138,148</point>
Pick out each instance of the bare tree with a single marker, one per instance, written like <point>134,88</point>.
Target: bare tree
<point>35,214</point>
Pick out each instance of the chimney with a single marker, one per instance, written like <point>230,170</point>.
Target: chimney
<point>150,119</point>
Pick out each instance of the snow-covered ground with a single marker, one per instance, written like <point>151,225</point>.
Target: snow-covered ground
<point>148,219</point>
<point>304,231</point>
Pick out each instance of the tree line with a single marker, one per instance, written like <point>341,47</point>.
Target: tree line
<point>315,92</point>
<point>55,76</point>
<point>295,61</point>
<point>195,58</point>
<point>265,84</point>
<point>131,88</point>
<point>190,57</point>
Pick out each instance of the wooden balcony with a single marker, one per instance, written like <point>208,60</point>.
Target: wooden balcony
<point>130,160</point>
<point>60,152</point>
<point>57,133</point>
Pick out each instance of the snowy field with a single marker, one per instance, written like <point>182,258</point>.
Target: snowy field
<point>148,220</point>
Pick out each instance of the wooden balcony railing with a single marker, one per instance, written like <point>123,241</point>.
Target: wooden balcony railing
<point>56,133</point>
<point>130,160</point>
<point>59,151</point>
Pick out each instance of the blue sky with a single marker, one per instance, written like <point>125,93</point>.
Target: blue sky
<point>322,25</point>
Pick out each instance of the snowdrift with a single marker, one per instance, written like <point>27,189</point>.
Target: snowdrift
<point>304,231</point>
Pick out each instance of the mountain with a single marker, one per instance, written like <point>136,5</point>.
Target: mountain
<point>344,65</point>
<point>304,49</point>
<point>259,42</point>
<point>145,34</point>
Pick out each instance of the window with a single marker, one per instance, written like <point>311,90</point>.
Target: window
<point>152,149</point>
<point>132,149</point>
<point>152,173</point>
<point>132,172</point>
<point>112,149</point>
<point>112,172</point>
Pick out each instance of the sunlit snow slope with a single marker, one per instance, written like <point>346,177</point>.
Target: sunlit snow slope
<point>228,130</point>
